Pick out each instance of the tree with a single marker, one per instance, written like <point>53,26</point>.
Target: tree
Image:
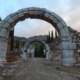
<point>11,36</point>
<point>38,52</point>
<point>17,44</point>
<point>48,38</point>
<point>41,51</point>
<point>56,35</point>
<point>52,37</point>
<point>23,43</point>
<point>0,19</point>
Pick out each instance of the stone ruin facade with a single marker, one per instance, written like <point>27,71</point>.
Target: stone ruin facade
<point>67,48</point>
<point>30,41</point>
<point>75,38</point>
<point>76,41</point>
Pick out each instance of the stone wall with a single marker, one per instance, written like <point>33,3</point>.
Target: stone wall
<point>11,20</point>
<point>76,41</point>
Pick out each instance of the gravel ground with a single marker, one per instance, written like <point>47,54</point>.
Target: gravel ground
<point>38,69</point>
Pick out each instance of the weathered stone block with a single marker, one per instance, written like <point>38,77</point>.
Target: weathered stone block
<point>15,17</point>
<point>51,17</point>
<point>2,23</point>
<point>74,45</point>
<point>2,55</point>
<point>14,14</point>
<point>34,9</point>
<point>58,17</point>
<point>36,12</point>
<point>46,15</point>
<point>64,31</point>
<point>68,61</point>
<point>65,38</point>
<point>20,14</point>
<point>3,45</point>
<point>44,10</point>
<point>33,12</point>
<point>60,25</point>
<point>11,20</point>
<point>67,53</point>
<point>55,20</point>
<point>20,11</point>
<point>66,45</point>
<point>8,17</point>
<point>3,32</point>
<point>6,25</point>
<point>26,12</point>
<point>63,23</point>
<point>3,49</point>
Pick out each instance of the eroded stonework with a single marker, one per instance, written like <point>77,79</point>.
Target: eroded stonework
<point>46,46</point>
<point>10,21</point>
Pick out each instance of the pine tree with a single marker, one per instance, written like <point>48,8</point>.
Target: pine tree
<point>48,38</point>
<point>0,19</point>
<point>56,35</point>
<point>35,51</point>
<point>17,44</point>
<point>52,37</point>
<point>38,52</point>
<point>23,43</point>
<point>11,35</point>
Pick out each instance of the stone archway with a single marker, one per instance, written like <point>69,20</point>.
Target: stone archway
<point>10,21</point>
<point>46,46</point>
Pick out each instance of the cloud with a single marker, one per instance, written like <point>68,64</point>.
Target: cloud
<point>7,7</point>
<point>75,19</point>
<point>33,27</point>
<point>69,10</point>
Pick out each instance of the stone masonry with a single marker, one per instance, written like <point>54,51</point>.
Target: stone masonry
<point>10,21</point>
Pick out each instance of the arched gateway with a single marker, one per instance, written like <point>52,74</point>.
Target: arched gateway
<point>46,46</point>
<point>10,21</point>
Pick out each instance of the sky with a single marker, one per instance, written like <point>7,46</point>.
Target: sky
<point>69,10</point>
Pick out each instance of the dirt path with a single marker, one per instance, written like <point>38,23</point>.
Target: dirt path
<point>39,69</point>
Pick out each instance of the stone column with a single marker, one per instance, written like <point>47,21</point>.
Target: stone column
<point>47,54</point>
<point>68,58</point>
<point>3,50</point>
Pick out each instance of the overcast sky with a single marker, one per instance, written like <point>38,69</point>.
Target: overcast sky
<point>69,10</point>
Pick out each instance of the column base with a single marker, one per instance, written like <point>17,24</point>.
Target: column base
<point>3,62</point>
<point>68,61</point>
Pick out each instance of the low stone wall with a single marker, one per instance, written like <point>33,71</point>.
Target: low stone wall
<point>13,56</point>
